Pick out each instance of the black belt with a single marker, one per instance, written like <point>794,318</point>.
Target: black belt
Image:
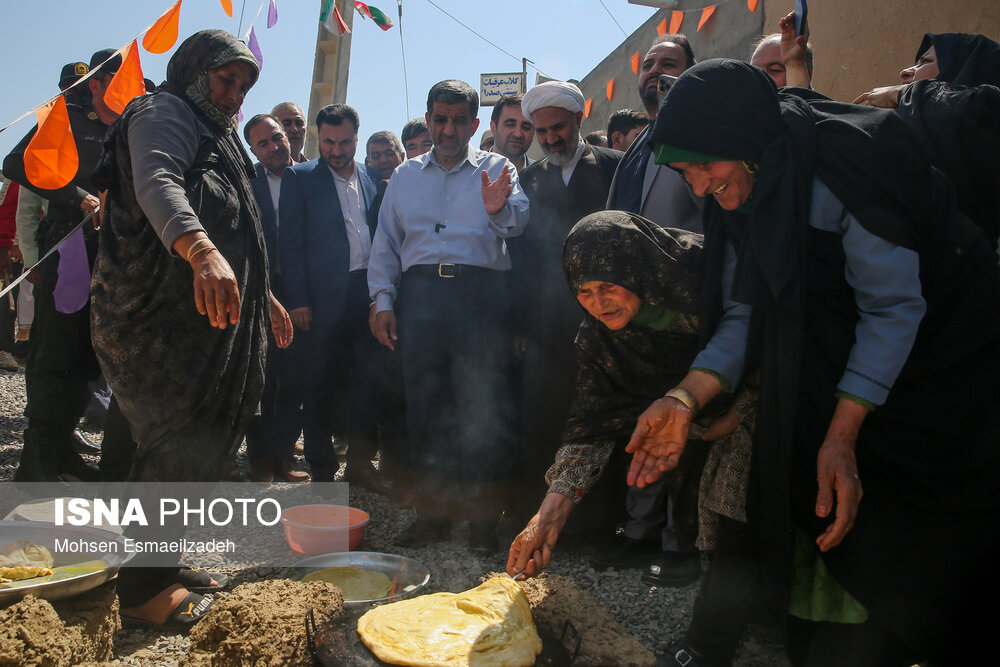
<point>448,270</point>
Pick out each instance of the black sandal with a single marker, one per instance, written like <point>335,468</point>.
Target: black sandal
<point>191,609</point>
<point>200,580</point>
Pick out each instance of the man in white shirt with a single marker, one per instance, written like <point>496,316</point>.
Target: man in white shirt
<point>327,221</point>
<point>272,434</point>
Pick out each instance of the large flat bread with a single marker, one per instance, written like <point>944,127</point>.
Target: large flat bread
<point>488,625</point>
<point>21,559</point>
<point>353,582</point>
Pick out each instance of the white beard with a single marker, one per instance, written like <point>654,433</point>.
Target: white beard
<point>562,158</point>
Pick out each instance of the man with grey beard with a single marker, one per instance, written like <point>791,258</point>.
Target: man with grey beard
<point>570,182</point>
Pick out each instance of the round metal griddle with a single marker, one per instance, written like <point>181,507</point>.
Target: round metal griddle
<point>408,575</point>
<point>63,584</point>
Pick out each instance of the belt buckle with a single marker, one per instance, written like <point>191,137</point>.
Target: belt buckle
<point>447,271</point>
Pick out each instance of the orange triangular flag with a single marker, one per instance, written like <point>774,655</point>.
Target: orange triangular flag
<point>662,28</point>
<point>163,35</point>
<point>752,5</point>
<point>705,15</point>
<point>586,107</point>
<point>51,160</point>
<point>611,87</point>
<point>227,6</point>
<point>676,18</point>
<point>128,81</point>
<point>635,63</point>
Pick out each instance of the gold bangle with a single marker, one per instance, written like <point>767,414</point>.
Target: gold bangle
<point>194,247</point>
<point>685,397</point>
<point>199,252</point>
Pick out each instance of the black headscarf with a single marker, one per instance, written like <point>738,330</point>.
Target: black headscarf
<point>966,60</point>
<point>661,266</point>
<point>199,54</point>
<point>866,156</point>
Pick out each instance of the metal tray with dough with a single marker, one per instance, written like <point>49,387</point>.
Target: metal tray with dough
<point>72,573</point>
<point>408,575</point>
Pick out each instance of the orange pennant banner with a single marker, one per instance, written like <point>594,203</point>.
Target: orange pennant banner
<point>705,15</point>
<point>635,63</point>
<point>51,160</point>
<point>610,88</point>
<point>586,107</point>
<point>752,5</point>
<point>662,28</point>
<point>227,6</point>
<point>128,81</point>
<point>163,35</point>
<point>676,18</point>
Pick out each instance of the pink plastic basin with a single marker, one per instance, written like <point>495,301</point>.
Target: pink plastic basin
<point>323,529</point>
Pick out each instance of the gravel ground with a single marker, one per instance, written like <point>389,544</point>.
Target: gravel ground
<point>656,616</point>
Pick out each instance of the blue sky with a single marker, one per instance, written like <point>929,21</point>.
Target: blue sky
<point>565,39</point>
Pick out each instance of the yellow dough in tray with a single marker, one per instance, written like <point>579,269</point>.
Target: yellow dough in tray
<point>487,625</point>
<point>353,582</point>
<point>21,559</point>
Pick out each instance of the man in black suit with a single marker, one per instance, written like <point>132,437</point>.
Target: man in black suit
<point>328,218</point>
<point>272,435</point>
<point>570,182</point>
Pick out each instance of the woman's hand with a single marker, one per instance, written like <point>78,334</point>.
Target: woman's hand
<point>281,323</point>
<point>886,97</point>
<point>532,548</point>
<point>837,473</point>
<point>659,438</point>
<point>658,441</point>
<point>721,427</point>
<point>215,289</point>
<point>216,293</point>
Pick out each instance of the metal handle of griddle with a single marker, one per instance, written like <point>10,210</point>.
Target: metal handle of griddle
<point>310,633</point>
<point>562,638</point>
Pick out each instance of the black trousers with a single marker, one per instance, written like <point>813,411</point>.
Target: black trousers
<point>334,357</point>
<point>61,360</point>
<point>455,342</point>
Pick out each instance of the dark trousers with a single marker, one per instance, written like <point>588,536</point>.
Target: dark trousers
<point>272,433</point>
<point>725,600</point>
<point>455,344</point>
<point>61,360</point>
<point>334,356</point>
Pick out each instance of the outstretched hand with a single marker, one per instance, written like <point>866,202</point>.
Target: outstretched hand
<point>495,193</point>
<point>532,549</point>
<point>658,441</point>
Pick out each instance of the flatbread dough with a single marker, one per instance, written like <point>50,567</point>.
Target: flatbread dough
<point>488,625</point>
<point>21,559</point>
<point>353,582</point>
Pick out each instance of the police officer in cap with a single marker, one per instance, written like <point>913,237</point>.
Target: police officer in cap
<point>61,360</point>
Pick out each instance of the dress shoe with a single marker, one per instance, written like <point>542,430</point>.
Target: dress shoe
<point>625,554</point>
<point>365,476</point>
<point>483,537</point>
<point>423,531</point>
<point>261,471</point>
<point>83,444</point>
<point>679,654</point>
<point>671,568</point>
<point>285,469</point>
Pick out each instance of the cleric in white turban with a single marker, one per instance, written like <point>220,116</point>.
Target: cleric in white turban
<point>552,94</point>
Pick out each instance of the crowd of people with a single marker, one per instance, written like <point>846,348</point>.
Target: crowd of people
<point>704,332</point>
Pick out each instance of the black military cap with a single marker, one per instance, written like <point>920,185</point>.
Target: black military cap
<point>111,67</point>
<point>71,73</point>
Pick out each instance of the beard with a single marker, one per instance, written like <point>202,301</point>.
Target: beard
<point>564,157</point>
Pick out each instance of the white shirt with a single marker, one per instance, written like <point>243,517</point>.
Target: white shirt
<point>352,205</point>
<point>567,170</point>
<point>274,185</point>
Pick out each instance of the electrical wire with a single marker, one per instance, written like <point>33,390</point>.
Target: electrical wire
<point>240,29</point>
<point>613,18</point>
<point>504,51</point>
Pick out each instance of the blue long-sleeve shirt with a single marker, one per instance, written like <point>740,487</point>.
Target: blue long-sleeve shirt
<point>433,215</point>
<point>886,283</point>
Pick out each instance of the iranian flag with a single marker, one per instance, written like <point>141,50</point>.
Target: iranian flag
<point>375,14</point>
